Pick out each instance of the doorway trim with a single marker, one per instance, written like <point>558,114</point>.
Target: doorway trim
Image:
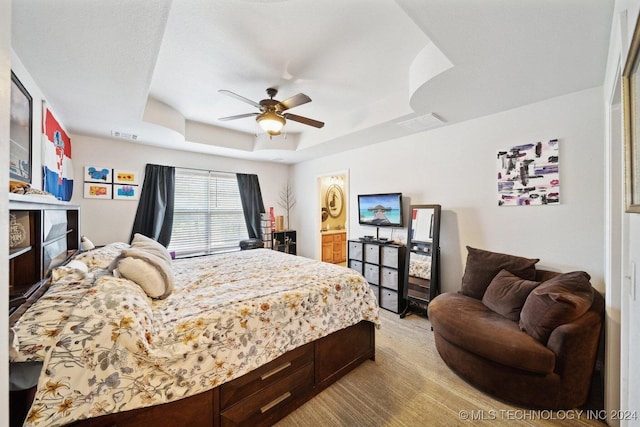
<point>320,200</point>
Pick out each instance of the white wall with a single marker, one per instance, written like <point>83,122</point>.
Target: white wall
<point>5,88</point>
<point>105,221</point>
<point>455,166</point>
<point>626,249</point>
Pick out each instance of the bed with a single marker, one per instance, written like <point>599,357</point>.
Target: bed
<point>243,338</point>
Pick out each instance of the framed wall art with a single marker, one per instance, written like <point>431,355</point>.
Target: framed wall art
<point>631,94</point>
<point>20,134</point>
<point>529,175</point>
<point>125,192</point>
<point>97,174</point>
<point>123,176</point>
<point>96,190</point>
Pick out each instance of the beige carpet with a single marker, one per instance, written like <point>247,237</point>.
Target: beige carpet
<point>409,385</point>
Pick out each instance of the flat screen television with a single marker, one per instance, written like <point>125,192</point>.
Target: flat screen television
<point>381,210</point>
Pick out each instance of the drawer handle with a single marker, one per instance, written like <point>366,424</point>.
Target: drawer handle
<point>274,402</point>
<point>275,371</point>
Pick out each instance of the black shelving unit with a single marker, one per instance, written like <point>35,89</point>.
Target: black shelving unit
<point>285,241</point>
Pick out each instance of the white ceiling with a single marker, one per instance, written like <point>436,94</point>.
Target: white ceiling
<point>153,68</point>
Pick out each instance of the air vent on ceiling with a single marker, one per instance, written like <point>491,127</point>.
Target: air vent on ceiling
<point>124,135</point>
<point>424,122</point>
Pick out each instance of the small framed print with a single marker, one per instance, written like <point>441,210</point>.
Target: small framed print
<point>125,192</point>
<point>96,190</point>
<point>97,174</point>
<point>123,176</point>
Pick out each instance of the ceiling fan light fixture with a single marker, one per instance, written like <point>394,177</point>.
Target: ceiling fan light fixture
<point>271,122</point>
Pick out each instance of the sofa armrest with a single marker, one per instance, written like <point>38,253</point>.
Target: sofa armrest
<point>576,347</point>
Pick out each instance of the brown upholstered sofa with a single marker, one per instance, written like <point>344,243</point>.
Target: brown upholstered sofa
<point>524,336</point>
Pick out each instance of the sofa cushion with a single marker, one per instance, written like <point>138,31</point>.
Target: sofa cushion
<point>482,266</point>
<point>470,325</point>
<point>507,293</point>
<point>555,302</point>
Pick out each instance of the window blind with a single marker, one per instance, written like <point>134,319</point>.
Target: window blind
<point>208,215</point>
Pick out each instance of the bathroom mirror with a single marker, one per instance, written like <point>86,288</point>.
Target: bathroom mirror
<point>422,273</point>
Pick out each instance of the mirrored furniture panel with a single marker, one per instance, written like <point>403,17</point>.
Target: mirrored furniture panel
<point>422,269</point>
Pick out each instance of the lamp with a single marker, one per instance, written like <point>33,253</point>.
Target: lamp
<point>271,122</point>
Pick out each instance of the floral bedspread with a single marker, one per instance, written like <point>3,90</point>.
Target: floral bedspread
<point>107,347</point>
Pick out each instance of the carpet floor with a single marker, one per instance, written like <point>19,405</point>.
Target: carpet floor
<point>409,385</point>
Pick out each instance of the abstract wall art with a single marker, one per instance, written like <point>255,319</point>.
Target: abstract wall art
<point>528,174</point>
<point>125,192</point>
<point>101,182</point>
<point>96,190</point>
<point>97,174</point>
<point>121,176</point>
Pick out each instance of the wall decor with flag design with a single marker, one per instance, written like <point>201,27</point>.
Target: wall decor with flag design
<point>57,171</point>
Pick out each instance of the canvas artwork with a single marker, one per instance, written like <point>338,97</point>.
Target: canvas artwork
<point>122,176</point>
<point>56,157</point>
<point>528,175</point>
<point>97,174</point>
<point>96,190</point>
<point>125,192</point>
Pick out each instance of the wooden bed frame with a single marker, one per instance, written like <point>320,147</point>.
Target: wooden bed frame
<point>261,397</point>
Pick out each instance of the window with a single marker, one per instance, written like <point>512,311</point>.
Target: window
<point>208,214</point>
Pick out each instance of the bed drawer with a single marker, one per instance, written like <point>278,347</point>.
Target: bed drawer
<point>265,376</point>
<point>273,402</point>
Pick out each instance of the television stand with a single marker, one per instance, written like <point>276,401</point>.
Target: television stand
<point>382,263</point>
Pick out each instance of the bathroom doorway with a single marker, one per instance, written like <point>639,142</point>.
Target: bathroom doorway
<point>334,214</point>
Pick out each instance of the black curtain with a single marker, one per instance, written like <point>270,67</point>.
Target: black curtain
<point>252,204</point>
<point>154,217</point>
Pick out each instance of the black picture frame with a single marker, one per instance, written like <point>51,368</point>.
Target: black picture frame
<point>20,132</point>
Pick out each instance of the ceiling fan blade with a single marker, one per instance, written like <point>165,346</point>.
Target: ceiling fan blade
<point>239,116</point>
<point>239,97</point>
<point>294,101</point>
<point>304,120</point>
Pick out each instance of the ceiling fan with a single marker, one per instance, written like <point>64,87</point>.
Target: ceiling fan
<point>272,116</point>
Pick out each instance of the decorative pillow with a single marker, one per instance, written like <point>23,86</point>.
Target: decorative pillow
<point>559,300</point>
<point>151,272</point>
<point>482,266</point>
<point>143,273</point>
<point>507,293</point>
<point>143,242</point>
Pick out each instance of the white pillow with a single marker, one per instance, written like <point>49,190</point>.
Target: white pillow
<point>143,242</point>
<point>144,274</point>
<point>152,272</point>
